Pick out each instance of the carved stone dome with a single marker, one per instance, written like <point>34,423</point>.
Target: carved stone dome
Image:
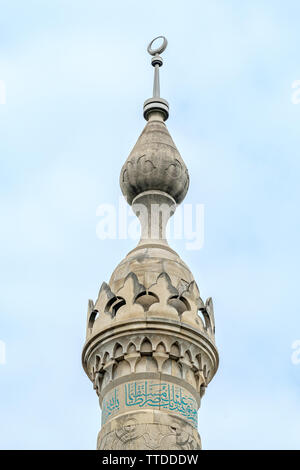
<point>154,164</point>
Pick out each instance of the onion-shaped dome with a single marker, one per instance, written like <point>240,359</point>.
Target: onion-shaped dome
<point>154,164</point>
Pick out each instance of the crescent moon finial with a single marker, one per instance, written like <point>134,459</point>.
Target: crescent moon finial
<point>156,103</point>
<point>160,49</point>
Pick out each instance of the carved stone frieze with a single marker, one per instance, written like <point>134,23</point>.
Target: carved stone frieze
<point>148,432</point>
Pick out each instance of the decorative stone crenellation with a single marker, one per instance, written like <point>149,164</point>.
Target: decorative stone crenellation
<point>160,299</point>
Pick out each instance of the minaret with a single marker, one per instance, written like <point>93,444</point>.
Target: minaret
<point>150,348</point>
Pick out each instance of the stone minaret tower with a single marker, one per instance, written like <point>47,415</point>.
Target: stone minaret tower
<point>150,349</point>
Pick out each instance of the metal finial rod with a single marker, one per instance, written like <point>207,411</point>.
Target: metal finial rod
<point>156,85</point>
<point>156,103</point>
<point>157,62</point>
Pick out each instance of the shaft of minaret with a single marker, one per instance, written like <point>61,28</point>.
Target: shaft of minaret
<point>150,339</point>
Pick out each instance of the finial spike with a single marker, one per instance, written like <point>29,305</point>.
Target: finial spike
<point>156,103</point>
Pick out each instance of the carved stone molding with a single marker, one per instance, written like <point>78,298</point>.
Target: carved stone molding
<point>122,356</point>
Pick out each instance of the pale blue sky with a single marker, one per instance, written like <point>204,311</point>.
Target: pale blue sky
<point>76,75</point>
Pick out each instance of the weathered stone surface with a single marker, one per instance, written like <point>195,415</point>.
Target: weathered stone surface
<point>148,431</point>
<point>154,164</point>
